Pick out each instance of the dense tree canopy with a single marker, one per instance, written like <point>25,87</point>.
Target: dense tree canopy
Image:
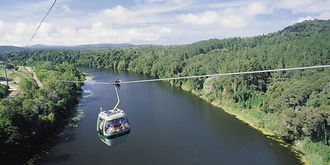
<point>27,120</point>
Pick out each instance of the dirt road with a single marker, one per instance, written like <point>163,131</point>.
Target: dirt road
<point>29,69</point>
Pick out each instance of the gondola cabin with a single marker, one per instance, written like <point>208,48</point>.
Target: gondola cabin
<point>113,123</point>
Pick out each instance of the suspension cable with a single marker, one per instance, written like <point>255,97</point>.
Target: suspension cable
<point>35,32</point>
<point>227,74</point>
<point>199,76</point>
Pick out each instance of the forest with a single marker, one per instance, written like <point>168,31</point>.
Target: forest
<point>28,120</point>
<point>294,105</point>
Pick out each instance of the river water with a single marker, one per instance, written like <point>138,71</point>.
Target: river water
<point>168,126</point>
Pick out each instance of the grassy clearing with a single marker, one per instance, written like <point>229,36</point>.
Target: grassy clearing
<point>14,76</point>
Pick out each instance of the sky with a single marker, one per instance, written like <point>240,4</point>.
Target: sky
<point>161,22</point>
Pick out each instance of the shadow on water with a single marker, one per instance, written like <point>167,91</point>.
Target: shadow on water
<point>67,136</point>
<point>113,141</point>
<point>57,158</point>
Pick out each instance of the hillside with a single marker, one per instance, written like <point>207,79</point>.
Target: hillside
<point>79,47</point>
<point>82,47</point>
<point>308,27</point>
<point>293,105</point>
<point>10,49</point>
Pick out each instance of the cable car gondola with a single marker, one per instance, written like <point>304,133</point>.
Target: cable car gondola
<point>113,123</point>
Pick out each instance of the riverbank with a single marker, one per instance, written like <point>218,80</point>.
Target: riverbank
<point>31,121</point>
<point>269,134</point>
<point>50,144</point>
<point>70,123</point>
<point>252,122</point>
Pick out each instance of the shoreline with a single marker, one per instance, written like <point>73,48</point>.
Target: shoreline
<point>51,143</point>
<point>300,155</point>
<point>71,122</point>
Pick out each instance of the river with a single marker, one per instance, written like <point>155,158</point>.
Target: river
<point>168,126</point>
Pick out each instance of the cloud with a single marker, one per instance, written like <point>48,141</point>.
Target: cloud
<point>256,8</point>
<point>233,22</point>
<point>302,19</point>
<point>13,32</point>
<point>1,25</point>
<point>228,20</point>
<point>109,25</point>
<point>66,8</point>
<point>205,18</point>
<point>302,6</point>
<point>151,21</point>
<point>119,15</point>
<point>155,1</point>
<point>44,4</point>
<point>324,15</point>
<point>98,32</point>
<point>165,30</point>
<point>293,4</point>
<point>166,1</point>
<point>228,17</point>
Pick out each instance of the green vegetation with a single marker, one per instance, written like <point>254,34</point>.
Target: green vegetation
<point>294,104</point>
<point>3,90</point>
<point>27,120</point>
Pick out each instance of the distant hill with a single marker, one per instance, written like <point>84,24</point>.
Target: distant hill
<point>87,46</point>
<point>10,48</point>
<point>79,47</point>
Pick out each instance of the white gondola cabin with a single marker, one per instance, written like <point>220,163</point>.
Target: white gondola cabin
<point>113,123</point>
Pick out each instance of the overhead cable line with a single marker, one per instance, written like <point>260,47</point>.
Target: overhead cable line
<point>227,74</point>
<point>200,76</point>
<point>35,32</point>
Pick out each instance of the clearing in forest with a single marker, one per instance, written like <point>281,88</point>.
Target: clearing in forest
<point>14,76</point>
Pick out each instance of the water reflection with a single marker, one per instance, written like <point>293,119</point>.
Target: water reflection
<point>113,141</point>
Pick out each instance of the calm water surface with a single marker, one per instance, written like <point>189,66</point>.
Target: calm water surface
<point>168,126</point>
